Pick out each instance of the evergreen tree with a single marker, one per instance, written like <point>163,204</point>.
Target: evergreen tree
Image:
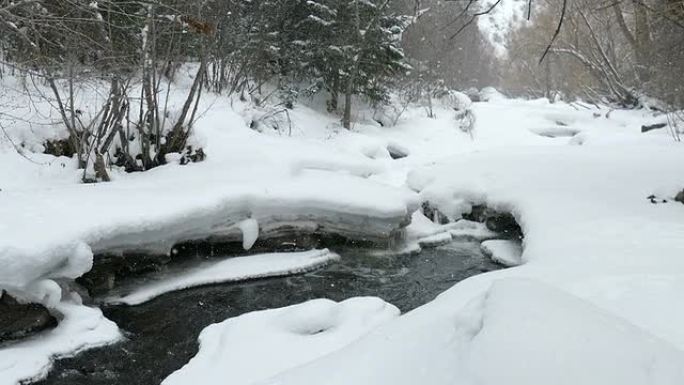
<point>357,48</point>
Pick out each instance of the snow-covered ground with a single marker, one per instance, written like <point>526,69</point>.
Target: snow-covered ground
<point>595,299</point>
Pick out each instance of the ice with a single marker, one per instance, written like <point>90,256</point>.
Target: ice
<point>255,346</point>
<point>503,251</point>
<point>250,232</point>
<point>229,270</point>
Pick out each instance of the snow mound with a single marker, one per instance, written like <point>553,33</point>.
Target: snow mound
<point>80,328</point>
<point>555,338</point>
<point>230,270</point>
<point>586,220</point>
<point>456,100</point>
<point>503,251</point>
<point>255,346</point>
<point>494,338</point>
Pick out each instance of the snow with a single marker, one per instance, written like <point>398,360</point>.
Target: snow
<point>426,233</point>
<point>251,186</point>
<point>595,298</point>
<point>576,343</point>
<point>280,184</point>
<point>471,230</point>
<point>229,270</point>
<point>80,327</point>
<point>585,217</point>
<point>255,346</point>
<point>486,339</point>
<point>504,251</point>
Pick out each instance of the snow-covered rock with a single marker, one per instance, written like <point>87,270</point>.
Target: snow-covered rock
<point>471,230</point>
<point>230,270</point>
<point>255,346</point>
<point>80,327</point>
<point>18,320</point>
<point>489,94</point>
<point>397,151</point>
<point>456,100</point>
<point>504,251</point>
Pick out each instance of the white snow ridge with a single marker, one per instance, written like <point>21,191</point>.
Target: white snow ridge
<point>256,346</point>
<point>229,270</point>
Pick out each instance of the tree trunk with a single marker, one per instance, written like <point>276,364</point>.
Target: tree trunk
<point>101,169</point>
<point>333,102</point>
<point>346,119</point>
<point>642,35</point>
<point>431,113</point>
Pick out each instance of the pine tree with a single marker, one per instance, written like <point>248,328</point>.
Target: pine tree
<point>357,48</point>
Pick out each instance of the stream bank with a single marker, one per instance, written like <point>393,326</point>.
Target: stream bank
<point>161,335</point>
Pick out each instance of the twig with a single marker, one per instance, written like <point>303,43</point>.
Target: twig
<point>557,32</point>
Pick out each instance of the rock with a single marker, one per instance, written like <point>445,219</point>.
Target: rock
<point>473,93</point>
<point>503,223</point>
<point>650,127</point>
<point>21,320</point>
<point>498,222</point>
<point>107,269</point>
<point>478,213</point>
<point>555,132</point>
<point>387,115</point>
<point>396,151</point>
<point>680,197</point>
<point>489,93</point>
<point>458,101</point>
<point>434,214</point>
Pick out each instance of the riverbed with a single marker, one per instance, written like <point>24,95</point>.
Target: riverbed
<point>161,335</point>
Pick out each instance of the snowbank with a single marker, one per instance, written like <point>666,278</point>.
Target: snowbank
<point>229,270</point>
<point>251,186</point>
<point>587,220</point>
<point>255,346</point>
<point>597,299</point>
<point>515,331</point>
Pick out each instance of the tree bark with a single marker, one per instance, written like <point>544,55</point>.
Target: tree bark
<point>346,119</point>
<point>642,34</point>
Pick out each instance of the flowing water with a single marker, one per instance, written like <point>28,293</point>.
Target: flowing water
<point>162,334</point>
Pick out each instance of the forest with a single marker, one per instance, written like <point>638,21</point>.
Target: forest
<point>309,192</point>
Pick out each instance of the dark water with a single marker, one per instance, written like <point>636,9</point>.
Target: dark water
<point>162,334</point>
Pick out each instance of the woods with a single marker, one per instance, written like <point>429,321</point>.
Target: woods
<point>622,52</point>
<point>275,52</point>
